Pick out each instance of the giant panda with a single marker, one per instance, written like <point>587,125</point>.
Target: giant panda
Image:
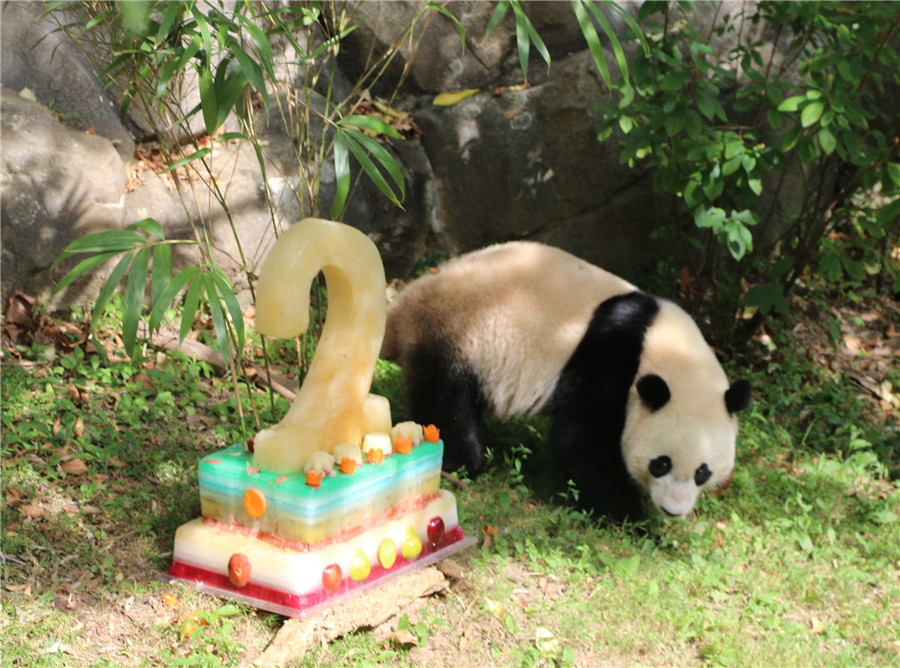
<point>639,405</point>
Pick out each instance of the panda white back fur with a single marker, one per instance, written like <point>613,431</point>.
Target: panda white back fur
<point>638,400</point>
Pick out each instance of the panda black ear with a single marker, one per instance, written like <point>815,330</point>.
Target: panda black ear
<point>737,397</point>
<point>653,391</point>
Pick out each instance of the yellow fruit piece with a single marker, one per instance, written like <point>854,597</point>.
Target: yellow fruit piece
<point>360,568</point>
<point>412,546</point>
<point>387,553</point>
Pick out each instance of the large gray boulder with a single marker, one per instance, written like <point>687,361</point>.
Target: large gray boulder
<point>56,184</point>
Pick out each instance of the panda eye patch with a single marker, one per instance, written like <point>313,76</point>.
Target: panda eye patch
<point>660,466</point>
<point>702,474</point>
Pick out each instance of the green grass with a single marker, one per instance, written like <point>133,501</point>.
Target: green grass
<point>796,563</point>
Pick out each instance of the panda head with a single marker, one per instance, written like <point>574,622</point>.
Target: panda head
<point>679,437</point>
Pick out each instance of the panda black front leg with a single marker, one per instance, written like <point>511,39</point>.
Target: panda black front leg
<point>449,397</point>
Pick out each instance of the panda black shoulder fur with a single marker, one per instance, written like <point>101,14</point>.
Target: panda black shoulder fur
<point>637,398</point>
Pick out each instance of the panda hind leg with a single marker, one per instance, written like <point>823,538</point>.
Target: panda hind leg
<point>444,391</point>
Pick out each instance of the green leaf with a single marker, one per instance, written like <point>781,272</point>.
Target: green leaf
<point>196,155</point>
<point>109,287</point>
<point>208,102</point>
<point>150,226</point>
<point>633,25</point>
<point>888,214</point>
<point>790,139</point>
<point>162,269</point>
<point>756,185</point>
<point>827,141</point>
<point>189,311</point>
<point>226,291</point>
<point>460,30</point>
<point>705,103</point>
<point>499,12</point>
<point>262,44</point>
<point>371,123</point>
<point>358,144</point>
<point>526,35</point>
<point>811,113</point>
<point>342,175</point>
<point>593,40</point>
<point>614,42</point>
<point>134,298</point>
<point>893,172</point>
<point>729,167</point>
<point>767,296</point>
<point>116,241</point>
<point>625,124</point>
<point>82,268</point>
<point>162,302</point>
<point>218,316</point>
<point>792,103</point>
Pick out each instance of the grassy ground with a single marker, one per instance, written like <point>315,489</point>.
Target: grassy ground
<point>796,563</point>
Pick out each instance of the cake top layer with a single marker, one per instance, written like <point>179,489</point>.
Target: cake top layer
<point>232,469</point>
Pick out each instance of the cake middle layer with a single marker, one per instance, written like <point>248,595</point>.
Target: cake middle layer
<point>233,491</point>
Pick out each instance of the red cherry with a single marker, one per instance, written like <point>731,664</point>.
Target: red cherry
<point>239,570</point>
<point>331,578</point>
<point>436,530</point>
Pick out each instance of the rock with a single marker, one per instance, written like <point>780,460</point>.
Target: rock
<point>527,164</point>
<point>57,184</point>
<point>60,75</point>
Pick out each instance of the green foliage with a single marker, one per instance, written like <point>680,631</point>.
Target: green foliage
<point>137,244</point>
<point>147,50</point>
<point>589,15</point>
<point>722,132</point>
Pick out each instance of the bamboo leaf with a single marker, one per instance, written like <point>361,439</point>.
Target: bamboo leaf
<point>226,291</point>
<point>593,40</point>
<point>116,241</point>
<point>189,312</point>
<point>205,35</point>
<point>82,268</point>
<point>172,12</point>
<point>109,287</point>
<point>134,298</point>
<point>499,11</point>
<point>193,156</point>
<point>614,43</point>
<point>208,102</point>
<point>370,123</point>
<point>358,144</point>
<point>262,44</point>
<point>631,23</point>
<point>162,269</point>
<point>460,30</point>
<point>218,316</point>
<point>150,226</point>
<point>167,296</point>
<point>251,70</point>
<point>381,154</point>
<point>342,175</point>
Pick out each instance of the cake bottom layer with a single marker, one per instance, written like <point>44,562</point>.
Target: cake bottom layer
<point>298,583</point>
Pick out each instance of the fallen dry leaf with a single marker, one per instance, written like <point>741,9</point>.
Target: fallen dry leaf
<point>74,467</point>
<point>33,511</point>
<point>404,637</point>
